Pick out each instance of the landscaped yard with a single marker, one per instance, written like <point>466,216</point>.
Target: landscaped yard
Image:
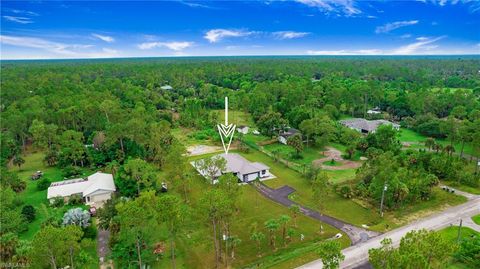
<point>355,212</point>
<point>38,199</point>
<point>196,246</point>
<point>286,152</point>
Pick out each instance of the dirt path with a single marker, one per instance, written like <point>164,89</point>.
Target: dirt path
<point>202,149</point>
<point>335,154</point>
<point>280,195</point>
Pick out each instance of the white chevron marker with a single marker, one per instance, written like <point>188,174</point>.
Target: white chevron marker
<point>226,130</point>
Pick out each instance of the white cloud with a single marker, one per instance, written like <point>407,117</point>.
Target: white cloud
<point>346,7</point>
<point>216,35</point>
<point>195,5</point>
<point>422,46</point>
<point>26,12</point>
<point>176,46</point>
<point>22,20</point>
<point>289,34</point>
<point>394,25</point>
<point>406,36</point>
<point>105,38</point>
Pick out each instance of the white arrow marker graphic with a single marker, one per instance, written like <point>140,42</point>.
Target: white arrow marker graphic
<point>226,130</point>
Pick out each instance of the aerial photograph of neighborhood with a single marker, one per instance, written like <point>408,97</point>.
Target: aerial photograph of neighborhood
<point>240,134</point>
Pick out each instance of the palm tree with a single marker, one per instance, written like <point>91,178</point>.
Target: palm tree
<point>272,226</point>
<point>430,143</point>
<point>449,149</point>
<point>18,161</point>
<point>295,209</point>
<point>283,220</point>
<point>258,237</point>
<point>234,241</point>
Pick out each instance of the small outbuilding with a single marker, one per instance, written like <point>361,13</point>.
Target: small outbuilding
<point>242,129</point>
<point>286,134</point>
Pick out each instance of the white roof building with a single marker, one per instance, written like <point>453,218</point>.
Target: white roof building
<point>96,188</point>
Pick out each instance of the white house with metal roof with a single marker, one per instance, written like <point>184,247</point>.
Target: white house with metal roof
<point>367,126</point>
<point>244,170</point>
<point>95,189</point>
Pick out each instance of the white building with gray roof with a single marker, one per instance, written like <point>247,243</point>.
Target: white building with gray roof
<point>240,167</point>
<point>367,126</point>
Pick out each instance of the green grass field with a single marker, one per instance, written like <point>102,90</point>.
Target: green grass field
<point>196,248</point>
<point>451,234</point>
<point>236,117</point>
<point>476,219</point>
<point>285,152</point>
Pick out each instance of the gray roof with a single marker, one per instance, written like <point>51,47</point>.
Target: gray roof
<point>166,87</point>
<point>238,164</point>
<point>289,132</point>
<point>368,125</point>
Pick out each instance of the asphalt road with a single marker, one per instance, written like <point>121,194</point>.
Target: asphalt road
<point>357,255</point>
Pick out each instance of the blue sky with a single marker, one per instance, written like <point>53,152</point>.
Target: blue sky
<point>67,29</point>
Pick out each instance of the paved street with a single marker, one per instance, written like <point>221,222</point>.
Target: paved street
<point>357,255</point>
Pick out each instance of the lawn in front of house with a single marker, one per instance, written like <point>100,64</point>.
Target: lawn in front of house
<point>38,199</point>
<point>357,212</point>
<point>236,117</point>
<point>195,246</point>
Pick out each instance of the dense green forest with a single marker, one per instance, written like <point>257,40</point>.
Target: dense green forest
<point>118,116</point>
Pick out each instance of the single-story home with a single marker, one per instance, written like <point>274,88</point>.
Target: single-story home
<point>240,167</point>
<point>95,189</point>
<point>286,134</point>
<point>367,126</point>
<point>242,129</point>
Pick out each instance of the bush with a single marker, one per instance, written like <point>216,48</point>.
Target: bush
<point>43,184</point>
<point>346,191</point>
<point>90,232</point>
<point>75,199</point>
<point>28,212</point>
<point>19,185</point>
<point>58,202</point>
<point>71,171</point>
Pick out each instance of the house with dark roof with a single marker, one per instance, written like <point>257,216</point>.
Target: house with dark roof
<point>243,129</point>
<point>240,167</point>
<point>286,134</point>
<point>367,126</point>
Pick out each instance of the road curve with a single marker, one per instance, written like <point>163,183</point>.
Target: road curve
<point>357,255</point>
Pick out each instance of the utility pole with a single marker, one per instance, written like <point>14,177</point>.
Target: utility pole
<point>459,231</point>
<point>383,197</point>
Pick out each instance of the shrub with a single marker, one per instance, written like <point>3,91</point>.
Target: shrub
<point>77,216</point>
<point>19,185</point>
<point>58,202</point>
<point>346,191</point>
<point>28,212</point>
<point>71,171</point>
<point>75,199</point>
<point>90,232</point>
<point>43,184</point>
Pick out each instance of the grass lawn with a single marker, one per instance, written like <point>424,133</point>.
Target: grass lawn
<point>195,247</point>
<point>476,219</point>
<point>352,211</point>
<point>407,135</point>
<point>285,152</point>
<point>187,137</point>
<point>451,234</point>
<point>236,117</point>
<point>38,199</point>
<point>465,188</point>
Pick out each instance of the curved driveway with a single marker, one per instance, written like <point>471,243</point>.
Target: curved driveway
<point>280,195</point>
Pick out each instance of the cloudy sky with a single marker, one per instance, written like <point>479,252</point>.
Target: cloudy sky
<point>67,29</point>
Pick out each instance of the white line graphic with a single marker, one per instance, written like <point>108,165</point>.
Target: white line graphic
<point>226,130</point>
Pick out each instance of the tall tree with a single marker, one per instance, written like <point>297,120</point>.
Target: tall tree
<point>330,253</point>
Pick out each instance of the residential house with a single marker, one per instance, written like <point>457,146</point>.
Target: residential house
<point>367,126</point>
<point>240,167</point>
<point>286,134</point>
<point>242,129</point>
<point>94,189</point>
